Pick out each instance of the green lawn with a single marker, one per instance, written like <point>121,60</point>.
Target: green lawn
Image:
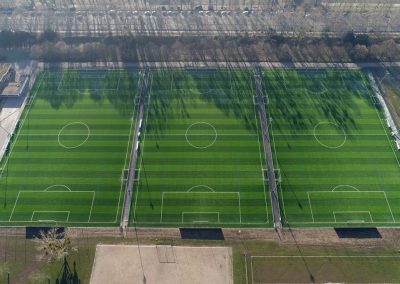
<point>202,161</point>
<point>66,159</point>
<point>337,162</point>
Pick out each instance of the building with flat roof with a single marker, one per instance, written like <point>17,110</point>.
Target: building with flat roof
<point>7,75</point>
<point>12,84</point>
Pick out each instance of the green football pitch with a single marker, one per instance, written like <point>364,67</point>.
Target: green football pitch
<point>202,156</point>
<point>201,160</point>
<point>338,164</point>
<point>66,159</point>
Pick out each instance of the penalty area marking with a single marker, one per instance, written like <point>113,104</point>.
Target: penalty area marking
<point>350,212</point>
<point>37,191</point>
<point>323,90</point>
<point>68,212</point>
<point>200,213</point>
<point>57,185</point>
<point>213,192</point>
<point>78,145</point>
<point>322,143</point>
<point>359,191</point>
<point>200,186</point>
<point>345,185</point>
<point>201,123</point>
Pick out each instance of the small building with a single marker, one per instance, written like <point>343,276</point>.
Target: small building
<point>7,75</point>
<point>12,83</point>
<point>24,87</point>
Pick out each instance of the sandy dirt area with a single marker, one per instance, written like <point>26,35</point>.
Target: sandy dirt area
<point>162,264</point>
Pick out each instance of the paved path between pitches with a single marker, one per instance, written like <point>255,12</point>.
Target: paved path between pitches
<point>264,122</point>
<point>144,88</point>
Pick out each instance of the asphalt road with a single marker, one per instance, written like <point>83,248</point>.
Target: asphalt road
<point>99,17</point>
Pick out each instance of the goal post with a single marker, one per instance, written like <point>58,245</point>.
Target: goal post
<point>200,207</point>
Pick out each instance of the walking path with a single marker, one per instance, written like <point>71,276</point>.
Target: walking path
<point>276,211</point>
<point>134,151</point>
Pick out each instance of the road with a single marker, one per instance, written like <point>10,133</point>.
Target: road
<point>99,17</point>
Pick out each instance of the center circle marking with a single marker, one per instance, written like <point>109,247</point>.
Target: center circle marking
<point>71,124</point>
<point>323,143</point>
<point>187,135</point>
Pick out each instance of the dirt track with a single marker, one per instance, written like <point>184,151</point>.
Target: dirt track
<point>315,236</point>
<point>390,237</point>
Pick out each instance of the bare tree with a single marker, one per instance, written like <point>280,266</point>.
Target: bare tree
<point>360,52</point>
<point>53,244</point>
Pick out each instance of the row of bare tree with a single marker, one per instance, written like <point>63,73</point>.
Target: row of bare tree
<point>270,48</point>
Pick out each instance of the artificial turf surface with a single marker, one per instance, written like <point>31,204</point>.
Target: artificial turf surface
<point>66,159</point>
<point>201,162</point>
<point>201,159</point>
<point>336,158</point>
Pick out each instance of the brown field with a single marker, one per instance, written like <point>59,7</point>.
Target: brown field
<point>20,258</point>
<point>323,269</point>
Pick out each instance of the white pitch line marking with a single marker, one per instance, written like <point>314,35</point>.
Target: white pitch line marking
<point>309,201</point>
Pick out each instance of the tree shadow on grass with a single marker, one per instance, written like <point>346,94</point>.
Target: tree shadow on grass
<point>176,92</point>
<point>66,275</point>
<point>64,88</point>
<point>303,97</point>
